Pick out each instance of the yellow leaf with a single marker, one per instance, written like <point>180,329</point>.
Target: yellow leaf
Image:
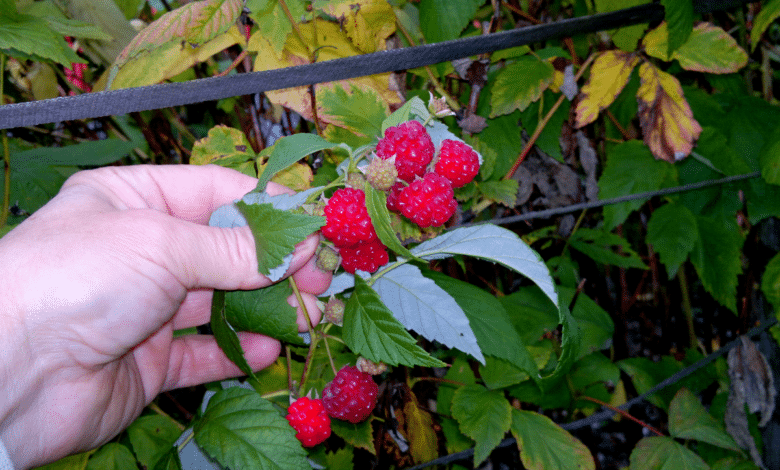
<point>708,49</point>
<point>665,117</point>
<point>368,23</point>
<point>168,60</point>
<point>332,43</point>
<point>608,76</point>
<point>418,428</point>
<point>297,177</point>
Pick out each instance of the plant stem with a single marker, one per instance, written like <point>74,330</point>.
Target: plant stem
<point>693,341</point>
<point>156,408</point>
<point>414,381</point>
<point>6,153</point>
<point>278,393</point>
<point>625,414</point>
<point>543,123</point>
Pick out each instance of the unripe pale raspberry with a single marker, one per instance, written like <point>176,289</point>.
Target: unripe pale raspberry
<point>428,202</point>
<point>364,256</point>
<point>347,219</point>
<point>308,417</point>
<point>356,180</point>
<point>334,311</point>
<point>412,147</point>
<point>364,365</point>
<point>457,162</point>
<point>351,396</point>
<point>327,259</point>
<point>381,173</point>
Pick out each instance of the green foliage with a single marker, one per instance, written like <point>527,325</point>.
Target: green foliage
<point>264,311</point>
<point>483,415</point>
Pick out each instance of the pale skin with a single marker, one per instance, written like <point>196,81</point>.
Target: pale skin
<point>92,287</point>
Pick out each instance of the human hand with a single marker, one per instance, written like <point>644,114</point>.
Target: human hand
<point>94,285</point>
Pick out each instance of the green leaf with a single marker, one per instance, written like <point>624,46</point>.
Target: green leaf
<point>625,37</point>
<point>442,20</point>
<point>520,84</point>
<point>672,232</point>
<point>152,437</point>
<point>549,140</point>
<point>717,257</point>
<point>713,146</point>
<point>769,13</point>
<point>630,169</point>
<point>264,311</point>
<point>72,462</point>
<point>358,435</point>
<point>272,22</point>
<point>502,191</point>
<point>112,456</point>
<point>770,159</point>
<point>240,429</point>
<point>287,151</point>
<point>594,324</point>
<point>169,461</point>
<point>371,330</point>
<point>544,445</point>
<point>679,18</point>
<point>483,415</point>
<point>414,108</point>
<point>663,453</point>
<point>361,110</point>
<point>600,246</point>
<point>341,459</point>
<point>276,232</point>
<point>531,313</point>
<point>226,335</point>
<point>495,334</point>
<point>376,204</point>
<point>27,36</point>
<point>770,282</point>
<point>570,348</point>
<point>459,373</point>
<point>688,419</point>
<point>62,24</point>
<point>91,153</point>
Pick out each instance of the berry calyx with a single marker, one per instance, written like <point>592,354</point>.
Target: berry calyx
<point>351,396</point>
<point>373,368</point>
<point>428,202</point>
<point>364,256</point>
<point>308,417</point>
<point>412,147</point>
<point>347,220</point>
<point>327,259</point>
<point>457,162</point>
<point>334,311</point>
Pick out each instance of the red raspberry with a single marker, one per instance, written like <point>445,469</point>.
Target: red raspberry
<point>457,162</point>
<point>307,416</point>
<point>364,256</point>
<point>392,197</point>
<point>412,147</point>
<point>351,396</point>
<point>347,218</point>
<point>428,202</point>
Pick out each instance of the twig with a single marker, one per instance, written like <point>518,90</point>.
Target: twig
<point>6,153</point>
<point>543,123</point>
<point>624,413</point>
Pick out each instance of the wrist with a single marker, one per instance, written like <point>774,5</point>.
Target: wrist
<point>20,379</point>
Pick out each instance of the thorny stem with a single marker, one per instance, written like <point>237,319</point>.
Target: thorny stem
<point>314,338</point>
<point>278,393</point>
<point>624,413</point>
<point>543,123</point>
<point>288,356</point>
<point>6,153</point>
<point>454,105</point>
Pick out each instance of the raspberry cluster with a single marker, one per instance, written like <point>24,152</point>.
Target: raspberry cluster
<point>351,396</point>
<point>349,227</point>
<point>419,184</point>
<point>310,421</point>
<point>425,195</point>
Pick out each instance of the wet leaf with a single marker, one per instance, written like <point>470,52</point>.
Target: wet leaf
<point>609,74</point>
<point>666,120</point>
